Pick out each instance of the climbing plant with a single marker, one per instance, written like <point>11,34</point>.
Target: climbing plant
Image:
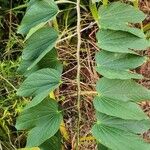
<point>43,71</point>
<point>120,120</point>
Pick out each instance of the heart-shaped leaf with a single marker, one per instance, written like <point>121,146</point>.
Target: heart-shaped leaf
<point>39,84</point>
<point>119,41</point>
<point>39,44</point>
<point>40,81</point>
<point>50,60</point>
<point>43,121</point>
<point>134,126</point>
<point>117,16</point>
<point>123,90</point>
<point>117,139</point>
<point>118,108</point>
<point>37,12</point>
<point>117,65</point>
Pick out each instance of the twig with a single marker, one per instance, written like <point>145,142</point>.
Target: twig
<point>68,37</point>
<point>8,82</point>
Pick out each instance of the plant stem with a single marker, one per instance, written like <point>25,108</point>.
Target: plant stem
<point>8,82</point>
<point>135,3</point>
<point>105,2</point>
<point>78,71</point>
<point>86,93</point>
<point>94,10</point>
<point>68,37</point>
<point>55,23</point>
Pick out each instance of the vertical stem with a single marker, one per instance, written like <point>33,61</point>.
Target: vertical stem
<point>10,19</point>
<point>78,71</point>
<point>105,2</point>
<point>94,10</point>
<point>135,3</point>
<point>55,23</point>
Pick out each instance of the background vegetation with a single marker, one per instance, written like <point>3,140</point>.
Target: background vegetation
<point>11,13</point>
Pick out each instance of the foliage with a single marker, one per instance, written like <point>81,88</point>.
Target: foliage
<point>40,82</point>
<point>119,117</point>
<point>118,94</point>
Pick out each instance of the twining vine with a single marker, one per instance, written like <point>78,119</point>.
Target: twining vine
<point>120,120</point>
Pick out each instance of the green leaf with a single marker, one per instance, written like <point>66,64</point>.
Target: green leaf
<point>54,143</point>
<point>117,74</point>
<point>33,30</point>
<point>119,41</point>
<point>118,108</point>
<point>24,64</point>
<point>117,139</point>
<point>117,16</point>
<point>117,65</point>
<point>39,11</point>
<point>37,99</point>
<point>39,44</point>
<point>119,60</point>
<point>123,90</point>
<point>43,121</point>
<point>134,126</point>
<point>50,60</point>
<point>39,82</point>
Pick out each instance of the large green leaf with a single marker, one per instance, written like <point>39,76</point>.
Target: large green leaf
<point>117,139</point>
<point>117,74</point>
<point>50,60</point>
<point>24,64</point>
<point>39,11</point>
<point>39,44</point>
<point>119,60</point>
<point>118,108</point>
<point>117,16</point>
<point>123,90</point>
<point>43,121</point>
<point>134,126</point>
<point>117,65</point>
<point>39,82</point>
<point>119,41</point>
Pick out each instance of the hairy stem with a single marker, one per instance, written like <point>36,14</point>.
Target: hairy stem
<point>78,71</point>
